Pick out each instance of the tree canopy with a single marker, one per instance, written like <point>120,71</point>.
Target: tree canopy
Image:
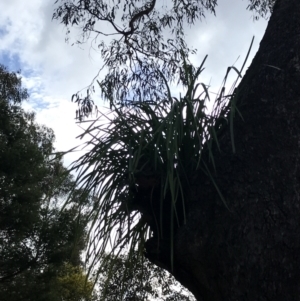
<point>37,238</point>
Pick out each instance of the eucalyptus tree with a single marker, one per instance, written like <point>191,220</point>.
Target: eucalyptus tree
<point>136,40</point>
<point>237,237</point>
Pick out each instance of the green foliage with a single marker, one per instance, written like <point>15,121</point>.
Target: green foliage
<point>10,87</point>
<point>25,167</point>
<point>134,278</point>
<point>36,237</point>
<point>72,284</point>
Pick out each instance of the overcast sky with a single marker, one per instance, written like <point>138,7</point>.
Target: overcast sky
<point>53,70</point>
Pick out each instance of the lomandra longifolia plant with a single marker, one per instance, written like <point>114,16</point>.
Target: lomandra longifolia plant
<point>151,148</point>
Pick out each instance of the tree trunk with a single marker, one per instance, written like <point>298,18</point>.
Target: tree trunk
<point>251,251</point>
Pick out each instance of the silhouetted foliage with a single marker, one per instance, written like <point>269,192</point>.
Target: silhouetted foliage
<point>145,39</point>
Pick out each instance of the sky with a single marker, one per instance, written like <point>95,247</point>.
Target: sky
<point>53,70</point>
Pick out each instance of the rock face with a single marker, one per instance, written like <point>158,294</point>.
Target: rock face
<point>250,250</point>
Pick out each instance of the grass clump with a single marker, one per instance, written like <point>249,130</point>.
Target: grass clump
<point>139,160</point>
